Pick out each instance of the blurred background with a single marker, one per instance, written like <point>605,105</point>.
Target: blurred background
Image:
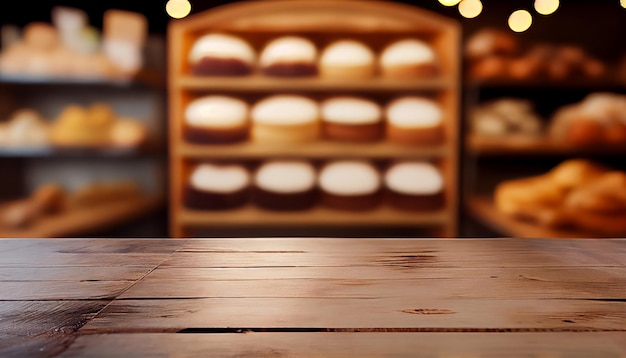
<point>86,109</point>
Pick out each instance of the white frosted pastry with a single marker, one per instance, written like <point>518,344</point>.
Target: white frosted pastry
<point>216,119</point>
<point>350,185</point>
<point>285,185</point>
<point>217,187</point>
<point>221,55</point>
<point>414,186</point>
<point>347,59</point>
<point>289,56</point>
<point>285,119</point>
<point>414,120</point>
<point>351,119</point>
<point>408,58</point>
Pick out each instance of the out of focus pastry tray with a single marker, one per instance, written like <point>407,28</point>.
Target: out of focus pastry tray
<point>511,145</point>
<point>483,209</point>
<point>74,222</point>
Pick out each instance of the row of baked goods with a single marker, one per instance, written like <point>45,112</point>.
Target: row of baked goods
<point>292,185</point>
<point>95,126</point>
<point>600,118</point>
<point>577,194</point>
<point>496,54</point>
<point>70,47</point>
<point>408,120</point>
<point>221,54</point>
<point>52,199</point>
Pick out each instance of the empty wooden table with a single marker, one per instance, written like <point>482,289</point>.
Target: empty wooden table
<point>306,297</point>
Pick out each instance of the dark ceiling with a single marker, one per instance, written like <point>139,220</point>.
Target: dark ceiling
<point>596,24</point>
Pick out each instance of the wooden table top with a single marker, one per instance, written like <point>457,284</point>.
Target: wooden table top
<point>306,297</point>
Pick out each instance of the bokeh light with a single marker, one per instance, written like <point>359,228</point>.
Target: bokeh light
<point>547,7</point>
<point>449,2</point>
<point>520,20</point>
<point>178,8</point>
<point>470,8</point>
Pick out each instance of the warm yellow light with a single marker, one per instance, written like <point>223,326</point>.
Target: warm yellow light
<point>470,8</point>
<point>520,20</point>
<point>178,8</point>
<point>547,7</point>
<point>623,3</point>
<point>451,2</point>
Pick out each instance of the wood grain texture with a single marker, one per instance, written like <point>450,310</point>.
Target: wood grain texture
<point>398,253</point>
<point>280,345</point>
<point>526,283</point>
<point>84,274</point>
<point>42,329</point>
<point>173,315</point>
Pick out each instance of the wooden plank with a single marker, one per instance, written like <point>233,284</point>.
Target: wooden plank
<point>52,274</point>
<point>485,211</point>
<point>62,290</point>
<point>42,329</point>
<point>546,274</point>
<point>317,150</point>
<point>251,215</point>
<point>173,315</point>
<point>415,254</point>
<point>84,221</point>
<point>536,283</point>
<point>97,245</point>
<point>442,345</point>
<point>269,84</point>
<point>46,259</point>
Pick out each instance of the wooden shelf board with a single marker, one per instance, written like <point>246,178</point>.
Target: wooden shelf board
<point>46,151</point>
<point>483,209</point>
<point>519,146</point>
<point>89,220</point>
<point>251,215</point>
<point>585,83</point>
<point>260,83</point>
<point>151,78</point>
<point>313,150</point>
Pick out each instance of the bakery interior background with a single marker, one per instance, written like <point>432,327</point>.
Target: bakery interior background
<point>596,26</point>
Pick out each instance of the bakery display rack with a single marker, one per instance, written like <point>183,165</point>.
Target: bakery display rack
<point>484,156</point>
<point>372,22</point>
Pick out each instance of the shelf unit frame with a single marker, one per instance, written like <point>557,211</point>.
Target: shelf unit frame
<point>324,18</point>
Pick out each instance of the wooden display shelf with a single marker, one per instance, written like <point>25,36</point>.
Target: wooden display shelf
<point>144,77</point>
<point>504,146</point>
<point>253,216</point>
<point>483,209</point>
<point>104,152</point>
<point>375,23</point>
<point>320,149</point>
<point>577,83</point>
<point>268,84</point>
<point>88,220</point>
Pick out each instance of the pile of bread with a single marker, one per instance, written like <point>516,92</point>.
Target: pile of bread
<point>577,194</point>
<point>221,54</point>
<point>52,199</point>
<point>599,119</point>
<point>506,117</point>
<point>95,126</point>
<point>71,48</point>
<point>292,119</point>
<point>288,185</point>
<point>496,54</point>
